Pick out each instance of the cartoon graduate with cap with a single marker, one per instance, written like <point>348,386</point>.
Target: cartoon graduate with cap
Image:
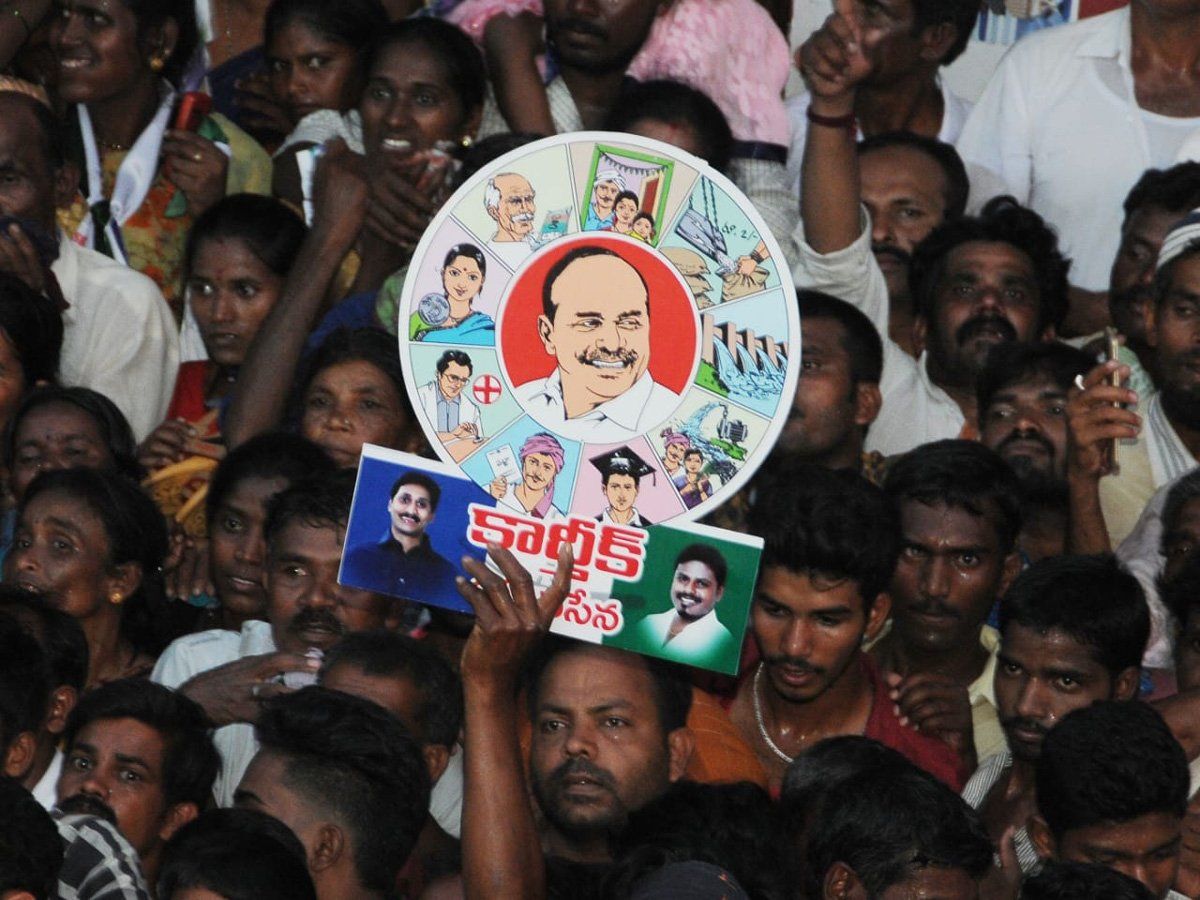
<point>621,473</point>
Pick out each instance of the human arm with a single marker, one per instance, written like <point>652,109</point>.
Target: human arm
<point>265,378</point>
<point>937,706</point>
<point>196,166</point>
<point>502,853</point>
<point>832,63</point>
<point>232,692</point>
<point>1095,419</point>
<point>511,45</point>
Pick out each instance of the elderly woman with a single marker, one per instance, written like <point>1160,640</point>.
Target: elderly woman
<point>541,461</point>
<point>143,181</point>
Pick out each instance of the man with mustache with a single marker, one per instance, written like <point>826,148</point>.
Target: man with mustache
<point>595,322</point>
<point>690,631</point>
<point>974,282</point>
<point>605,188</point>
<point>831,548</point>
<point>1157,435</point>
<point>959,519</point>
<point>230,673</point>
<point>142,757</point>
<point>1022,395</point>
<point>405,561</point>
<point>510,200</point>
<point>1072,631</point>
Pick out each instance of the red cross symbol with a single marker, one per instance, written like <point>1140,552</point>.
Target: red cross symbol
<point>486,389</point>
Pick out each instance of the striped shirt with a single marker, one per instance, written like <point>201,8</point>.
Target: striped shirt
<point>98,863</point>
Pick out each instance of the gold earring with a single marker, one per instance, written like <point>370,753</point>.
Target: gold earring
<point>466,142</point>
<point>157,63</point>
<point>115,598</point>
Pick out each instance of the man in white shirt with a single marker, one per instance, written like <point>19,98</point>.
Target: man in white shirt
<point>119,337</point>
<point>596,323</point>
<point>975,282</point>
<point>909,42</point>
<point>229,673</point>
<point>690,631</point>
<point>1073,116</point>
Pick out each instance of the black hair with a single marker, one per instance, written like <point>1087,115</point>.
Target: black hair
<point>1005,221</point>
<point>357,762</point>
<point>24,683</point>
<point>275,455</point>
<point>1176,190</point>
<point>110,422</point>
<point>391,655</point>
<point>831,524</point>
<point>961,475</point>
<point>152,13</point>
<point>34,328</point>
<point>1056,880</point>
<point>672,691</point>
<point>318,502</point>
<point>421,480</point>
<point>733,826</point>
<point>458,357</point>
<point>549,307</point>
<point>53,132</point>
<point>1110,762</point>
<point>959,13</point>
<point>190,761</point>
<point>136,533</point>
<point>352,23</point>
<point>1182,492</point>
<point>958,186</point>
<point>826,764</point>
<point>1090,599</point>
<point>31,850</point>
<point>269,229</point>
<point>61,637</point>
<point>676,104</point>
<point>887,824</point>
<point>460,58</point>
<point>709,556</point>
<point>644,215</point>
<point>1014,363</point>
<point>369,345</point>
<point>860,338</point>
<point>240,854</point>
<point>470,251</point>
<point>693,451</point>
<point>627,195</point>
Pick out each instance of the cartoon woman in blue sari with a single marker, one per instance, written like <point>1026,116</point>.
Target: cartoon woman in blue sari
<point>449,317</point>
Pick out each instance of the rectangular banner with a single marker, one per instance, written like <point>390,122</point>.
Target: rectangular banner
<point>665,591</point>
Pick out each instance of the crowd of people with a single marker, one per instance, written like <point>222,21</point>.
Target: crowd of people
<point>972,663</point>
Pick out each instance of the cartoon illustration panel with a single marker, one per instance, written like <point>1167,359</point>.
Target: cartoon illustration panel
<point>718,250</point>
<point>458,286</point>
<point>521,207</point>
<point>625,484</point>
<point>745,349</point>
<point>706,445</point>
<point>527,469</point>
<point>628,191</point>
<point>474,401</point>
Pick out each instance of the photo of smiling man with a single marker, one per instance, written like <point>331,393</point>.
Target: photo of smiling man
<point>595,322</point>
<point>690,631</point>
<point>404,563</point>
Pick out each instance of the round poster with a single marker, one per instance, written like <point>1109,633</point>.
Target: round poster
<point>598,322</point>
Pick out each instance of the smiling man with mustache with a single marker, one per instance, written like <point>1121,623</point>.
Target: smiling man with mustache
<point>596,322</point>
<point>405,561</point>
<point>690,632</point>
<point>230,673</point>
<point>831,547</point>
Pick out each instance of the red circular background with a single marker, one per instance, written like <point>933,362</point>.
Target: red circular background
<point>673,339</point>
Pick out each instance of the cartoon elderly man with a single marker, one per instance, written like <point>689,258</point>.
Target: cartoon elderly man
<point>542,459</point>
<point>600,214</point>
<point>595,322</point>
<point>509,200</point>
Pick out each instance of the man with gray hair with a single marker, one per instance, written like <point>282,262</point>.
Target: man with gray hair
<point>605,188</point>
<point>509,200</point>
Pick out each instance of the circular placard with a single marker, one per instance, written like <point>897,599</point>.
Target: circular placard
<point>601,325</point>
